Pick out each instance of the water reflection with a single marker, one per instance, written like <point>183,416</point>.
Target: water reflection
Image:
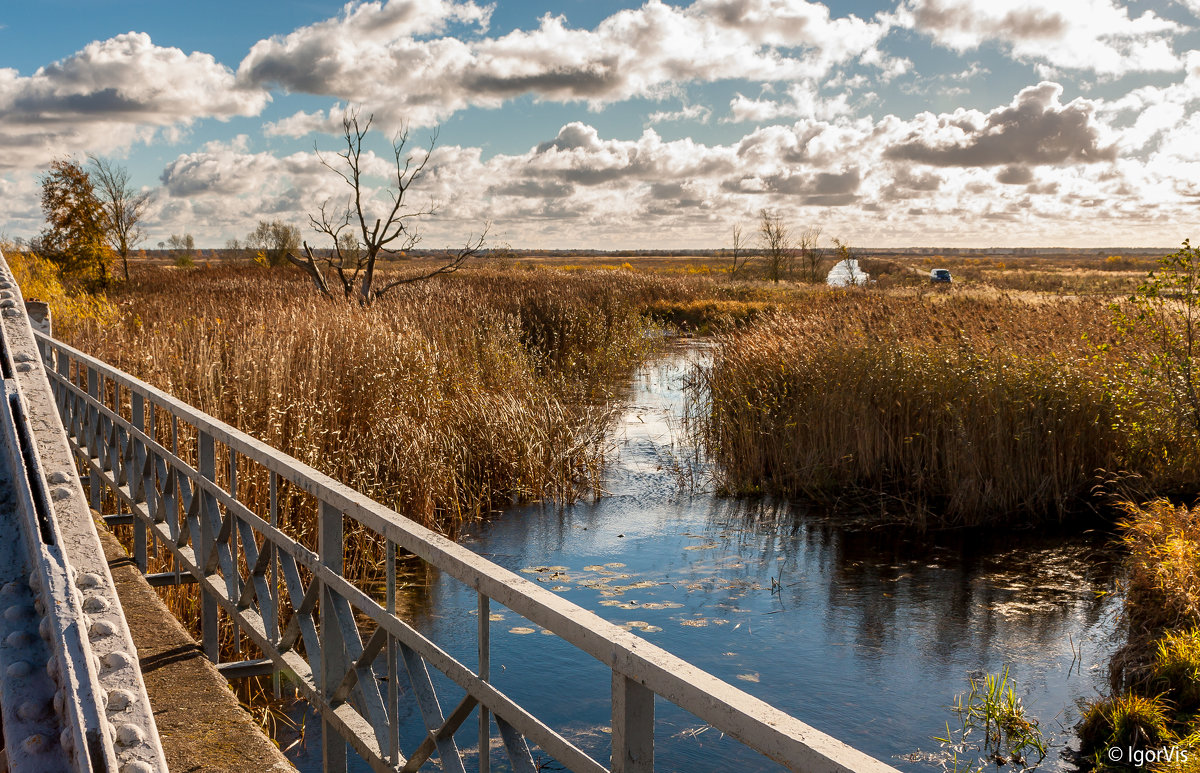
<point>863,633</point>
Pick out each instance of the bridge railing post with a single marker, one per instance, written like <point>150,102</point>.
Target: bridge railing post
<point>268,545</point>
<point>137,477</point>
<point>392,655</point>
<point>632,726</point>
<point>92,426</point>
<point>485,673</point>
<point>62,364</point>
<point>209,623</point>
<point>330,548</point>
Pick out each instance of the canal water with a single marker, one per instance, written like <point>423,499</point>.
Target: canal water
<point>862,633</point>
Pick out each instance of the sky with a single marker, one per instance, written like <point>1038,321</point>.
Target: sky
<point>615,125</point>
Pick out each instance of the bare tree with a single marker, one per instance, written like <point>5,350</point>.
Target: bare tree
<point>811,255</point>
<point>123,206</point>
<point>776,244</point>
<point>357,244</point>
<point>184,243</point>
<point>737,252</point>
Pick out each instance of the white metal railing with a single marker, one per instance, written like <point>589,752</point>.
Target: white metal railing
<point>336,640</point>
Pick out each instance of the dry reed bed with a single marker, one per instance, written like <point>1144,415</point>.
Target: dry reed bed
<point>443,400</point>
<point>966,411</point>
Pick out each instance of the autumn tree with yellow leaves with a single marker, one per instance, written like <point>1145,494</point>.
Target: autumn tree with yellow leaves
<point>77,225</point>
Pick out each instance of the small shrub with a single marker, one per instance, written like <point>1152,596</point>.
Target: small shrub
<point>1165,310</point>
<point>39,280</point>
<point>1124,721</point>
<point>1177,668</point>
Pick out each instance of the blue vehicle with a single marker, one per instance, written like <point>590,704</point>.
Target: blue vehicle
<point>940,276</point>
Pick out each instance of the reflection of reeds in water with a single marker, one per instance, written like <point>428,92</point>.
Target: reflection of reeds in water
<point>963,411</point>
<point>959,592</point>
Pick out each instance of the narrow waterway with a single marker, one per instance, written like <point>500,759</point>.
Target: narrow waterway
<point>863,634</point>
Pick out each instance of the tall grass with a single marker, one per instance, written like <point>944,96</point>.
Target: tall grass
<point>443,401</point>
<point>1155,675</point>
<point>962,410</point>
<point>1009,733</point>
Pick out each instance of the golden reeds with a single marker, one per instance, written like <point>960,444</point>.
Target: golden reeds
<point>443,401</point>
<point>965,410</point>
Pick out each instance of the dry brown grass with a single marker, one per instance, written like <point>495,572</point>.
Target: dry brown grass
<point>1155,675</point>
<point>962,410</point>
<point>1162,590</point>
<point>1163,587</point>
<point>442,401</point>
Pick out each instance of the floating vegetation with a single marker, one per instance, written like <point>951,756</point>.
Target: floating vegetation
<point>493,617</point>
<point>521,630</point>
<point>749,677</point>
<point>994,729</point>
<point>599,582</point>
<point>637,585</point>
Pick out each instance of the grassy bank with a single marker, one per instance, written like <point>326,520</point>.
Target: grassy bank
<point>1155,676</point>
<point>957,410</point>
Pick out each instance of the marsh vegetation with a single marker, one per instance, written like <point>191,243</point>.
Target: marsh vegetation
<point>954,410</point>
<point>1010,399</point>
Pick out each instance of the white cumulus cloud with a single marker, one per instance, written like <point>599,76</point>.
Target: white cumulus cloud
<point>1100,36</point>
<point>113,93</point>
<point>409,71</point>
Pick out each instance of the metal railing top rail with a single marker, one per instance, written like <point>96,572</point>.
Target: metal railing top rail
<point>73,695</point>
<point>751,721</point>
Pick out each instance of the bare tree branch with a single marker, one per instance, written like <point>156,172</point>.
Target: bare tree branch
<point>123,206</point>
<point>777,245</point>
<point>469,250</point>
<point>811,255</point>
<point>737,250</point>
<point>359,235</point>
<point>309,264</point>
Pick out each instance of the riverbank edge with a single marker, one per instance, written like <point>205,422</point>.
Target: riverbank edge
<point>1153,706</point>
